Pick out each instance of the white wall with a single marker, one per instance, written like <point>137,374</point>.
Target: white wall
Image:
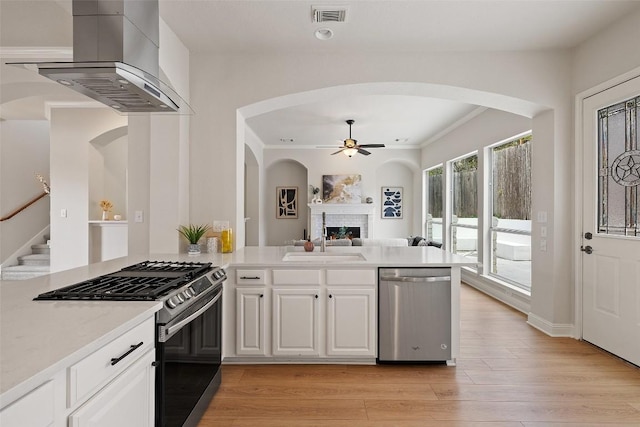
<point>285,173</point>
<point>399,167</point>
<point>108,177</point>
<point>23,153</point>
<point>396,174</point>
<point>71,131</point>
<point>523,82</point>
<point>608,54</point>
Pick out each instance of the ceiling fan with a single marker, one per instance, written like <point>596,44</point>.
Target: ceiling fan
<point>352,147</point>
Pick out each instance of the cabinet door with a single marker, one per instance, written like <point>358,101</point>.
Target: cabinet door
<point>351,326</point>
<point>295,317</point>
<point>250,321</point>
<point>127,401</point>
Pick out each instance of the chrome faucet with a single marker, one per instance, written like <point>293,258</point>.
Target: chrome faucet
<point>324,232</point>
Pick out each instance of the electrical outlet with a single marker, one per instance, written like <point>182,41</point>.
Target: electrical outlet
<point>139,217</point>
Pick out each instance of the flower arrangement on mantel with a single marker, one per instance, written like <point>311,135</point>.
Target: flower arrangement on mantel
<point>106,207</point>
<point>193,234</point>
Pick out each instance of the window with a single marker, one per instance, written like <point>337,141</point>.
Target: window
<point>464,221</point>
<point>435,200</point>
<point>510,231</point>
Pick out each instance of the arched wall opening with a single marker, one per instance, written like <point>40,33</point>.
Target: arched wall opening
<point>481,98</point>
<point>290,174</point>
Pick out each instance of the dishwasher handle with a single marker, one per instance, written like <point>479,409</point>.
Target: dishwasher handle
<point>415,279</point>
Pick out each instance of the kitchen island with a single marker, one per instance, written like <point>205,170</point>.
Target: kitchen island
<point>41,341</point>
<point>289,306</point>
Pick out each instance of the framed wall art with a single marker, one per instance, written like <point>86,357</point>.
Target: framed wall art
<point>341,189</point>
<point>286,202</point>
<point>391,202</point>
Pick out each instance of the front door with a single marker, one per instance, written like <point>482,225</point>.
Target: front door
<point>611,220</point>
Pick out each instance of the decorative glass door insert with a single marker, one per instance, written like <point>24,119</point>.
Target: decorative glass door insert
<point>619,169</point>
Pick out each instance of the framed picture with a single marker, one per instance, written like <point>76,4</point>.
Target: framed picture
<point>341,189</point>
<point>391,202</point>
<point>287,202</point>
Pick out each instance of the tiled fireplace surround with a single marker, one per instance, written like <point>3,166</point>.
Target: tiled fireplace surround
<point>338,215</point>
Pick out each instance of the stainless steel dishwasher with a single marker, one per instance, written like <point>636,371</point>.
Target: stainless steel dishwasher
<point>414,314</point>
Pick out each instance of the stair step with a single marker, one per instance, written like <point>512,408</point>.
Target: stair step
<point>35,259</point>
<point>22,272</point>
<point>41,249</point>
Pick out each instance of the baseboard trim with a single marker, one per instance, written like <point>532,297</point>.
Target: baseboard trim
<point>265,360</point>
<point>551,329</point>
<point>506,294</point>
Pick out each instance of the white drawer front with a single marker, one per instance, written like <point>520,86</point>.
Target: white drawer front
<point>251,277</point>
<point>96,369</point>
<point>296,277</point>
<point>34,409</point>
<point>351,277</point>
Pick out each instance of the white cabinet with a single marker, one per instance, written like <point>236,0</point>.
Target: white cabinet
<point>288,314</point>
<point>107,240</point>
<point>351,326</point>
<point>251,321</point>
<point>128,400</point>
<point>36,409</point>
<point>112,385</point>
<point>295,321</point>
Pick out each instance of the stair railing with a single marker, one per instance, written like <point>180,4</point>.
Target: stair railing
<point>23,207</point>
<point>46,190</point>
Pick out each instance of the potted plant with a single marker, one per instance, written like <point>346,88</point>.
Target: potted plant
<point>193,234</point>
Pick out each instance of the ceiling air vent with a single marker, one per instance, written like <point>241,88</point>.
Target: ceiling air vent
<point>329,14</point>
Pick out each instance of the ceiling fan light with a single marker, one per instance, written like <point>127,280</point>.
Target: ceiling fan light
<point>349,151</point>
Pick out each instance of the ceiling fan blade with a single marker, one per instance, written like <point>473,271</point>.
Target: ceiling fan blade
<point>372,145</point>
<point>365,152</point>
<point>339,151</point>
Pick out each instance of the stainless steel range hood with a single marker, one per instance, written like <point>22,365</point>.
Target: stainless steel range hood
<point>115,57</point>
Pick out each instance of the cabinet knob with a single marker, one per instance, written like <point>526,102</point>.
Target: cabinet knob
<point>330,296</point>
<point>316,296</point>
<point>261,295</point>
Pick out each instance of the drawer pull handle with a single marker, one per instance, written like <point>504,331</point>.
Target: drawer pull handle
<point>250,277</point>
<point>131,350</point>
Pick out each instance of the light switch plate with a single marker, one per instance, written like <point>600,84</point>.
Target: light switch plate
<point>63,213</point>
<point>543,231</point>
<point>139,217</point>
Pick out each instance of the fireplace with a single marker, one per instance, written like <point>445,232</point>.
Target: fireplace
<point>353,215</point>
<point>343,232</point>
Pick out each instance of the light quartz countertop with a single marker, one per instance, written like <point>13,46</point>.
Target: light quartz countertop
<point>39,338</point>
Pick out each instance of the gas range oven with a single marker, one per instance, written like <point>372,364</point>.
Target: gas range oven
<point>188,328</point>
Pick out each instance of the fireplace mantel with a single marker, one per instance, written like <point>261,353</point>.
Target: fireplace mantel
<point>342,208</point>
<point>342,214</point>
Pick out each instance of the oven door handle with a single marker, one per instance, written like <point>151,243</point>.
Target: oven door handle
<point>167,331</point>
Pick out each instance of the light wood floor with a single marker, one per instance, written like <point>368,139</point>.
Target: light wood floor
<point>509,374</point>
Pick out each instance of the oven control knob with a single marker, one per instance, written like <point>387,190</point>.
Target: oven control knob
<point>170,303</point>
<point>179,298</point>
<point>186,294</point>
<point>191,291</point>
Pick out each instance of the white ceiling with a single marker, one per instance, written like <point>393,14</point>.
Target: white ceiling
<point>286,27</point>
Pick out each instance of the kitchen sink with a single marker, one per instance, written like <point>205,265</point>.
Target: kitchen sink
<point>322,256</point>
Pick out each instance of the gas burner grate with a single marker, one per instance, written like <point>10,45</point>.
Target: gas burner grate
<point>192,269</point>
<point>118,288</point>
<point>145,281</point>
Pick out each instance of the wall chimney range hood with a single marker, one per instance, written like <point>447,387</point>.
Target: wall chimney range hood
<point>116,57</point>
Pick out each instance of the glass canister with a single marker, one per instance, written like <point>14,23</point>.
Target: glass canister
<point>227,240</point>
<point>226,235</point>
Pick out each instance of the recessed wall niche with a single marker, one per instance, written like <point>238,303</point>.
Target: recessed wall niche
<point>108,173</point>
